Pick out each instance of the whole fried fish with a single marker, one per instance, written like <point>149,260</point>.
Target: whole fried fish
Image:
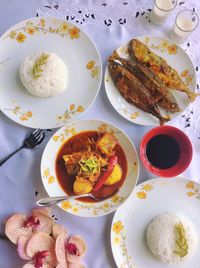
<point>159,92</point>
<point>133,90</point>
<point>160,67</point>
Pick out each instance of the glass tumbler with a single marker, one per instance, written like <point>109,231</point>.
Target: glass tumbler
<point>161,10</point>
<point>186,22</point>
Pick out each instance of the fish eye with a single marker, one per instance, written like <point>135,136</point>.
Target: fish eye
<point>114,66</point>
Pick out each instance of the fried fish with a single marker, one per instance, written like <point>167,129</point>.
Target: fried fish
<point>159,92</point>
<point>160,67</point>
<point>133,90</point>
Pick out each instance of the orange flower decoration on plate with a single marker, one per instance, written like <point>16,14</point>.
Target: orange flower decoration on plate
<point>80,109</point>
<point>48,176</point>
<point>172,49</point>
<point>190,185</point>
<point>145,188</point>
<point>21,37</point>
<point>185,73</point>
<point>64,27</point>
<point>74,32</point>
<point>193,190</point>
<point>66,205</point>
<point>72,107</point>
<point>31,30</point>
<point>141,195</point>
<point>22,115</point>
<point>42,22</point>
<point>94,70</point>
<point>26,116</point>
<point>117,227</point>
<point>90,65</point>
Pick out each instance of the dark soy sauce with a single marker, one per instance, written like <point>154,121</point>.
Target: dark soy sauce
<point>163,151</point>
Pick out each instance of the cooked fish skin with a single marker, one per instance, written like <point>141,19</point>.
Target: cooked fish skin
<point>169,104</point>
<point>143,76</point>
<point>156,87</point>
<point>160,67</point>
<point>133,90</point>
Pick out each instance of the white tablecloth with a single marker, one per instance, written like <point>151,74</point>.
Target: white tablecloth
<point>114,23</point>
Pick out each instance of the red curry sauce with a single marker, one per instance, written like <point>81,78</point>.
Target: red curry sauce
<point>76,144</point>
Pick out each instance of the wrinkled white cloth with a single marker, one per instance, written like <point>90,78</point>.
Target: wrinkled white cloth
<point>109,23</point>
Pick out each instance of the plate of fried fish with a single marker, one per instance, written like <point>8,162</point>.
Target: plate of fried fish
<point>150,80</point>
<point>90,156</point>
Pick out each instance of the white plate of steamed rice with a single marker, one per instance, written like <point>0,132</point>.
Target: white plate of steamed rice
<point>158,226</point>
<point>50,72</point>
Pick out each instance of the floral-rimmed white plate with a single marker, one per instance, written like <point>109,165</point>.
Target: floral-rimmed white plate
<point>53,187</point>
<point>149,199</point>
<point>176,57</point>
<point>82,60</point>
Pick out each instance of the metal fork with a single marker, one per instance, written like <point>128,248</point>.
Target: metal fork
<point>30,142</point>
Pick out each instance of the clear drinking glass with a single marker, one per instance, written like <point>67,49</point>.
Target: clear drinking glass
<point>161,10</point>
<point>186,22</point>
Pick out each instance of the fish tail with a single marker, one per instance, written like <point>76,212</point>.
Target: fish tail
<point>192,95</point>
<point>164,119</point>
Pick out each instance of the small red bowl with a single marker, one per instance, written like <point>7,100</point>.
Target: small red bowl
<point>185,151</point>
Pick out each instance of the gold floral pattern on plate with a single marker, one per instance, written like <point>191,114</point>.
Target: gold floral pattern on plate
<point>132,115</point>
<point>102,128</point>
<point>144,190</point>
<point>119,240</point>
<point>22,115</point>
<point>105,128</point>
<point>30,29</point>
<point>69,112</point>
<point>188,78</point>
<point>164,46</point>
<point>66,205</point>
<point>116,200</point>
<point>74,32</point>
<point>94,70</point>
<point>47,175</point>
<point>192,190</point>
<point>63,136</point>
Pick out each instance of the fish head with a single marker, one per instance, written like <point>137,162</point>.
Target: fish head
<point>115,68</point>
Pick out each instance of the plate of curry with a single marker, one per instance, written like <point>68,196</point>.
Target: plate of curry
<point>90,156</point>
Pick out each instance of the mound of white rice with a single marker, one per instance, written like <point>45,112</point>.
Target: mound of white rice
<point>161,237</point>
<point>49,78</point>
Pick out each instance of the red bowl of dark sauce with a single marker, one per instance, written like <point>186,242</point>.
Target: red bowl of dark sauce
<point>166,151</point>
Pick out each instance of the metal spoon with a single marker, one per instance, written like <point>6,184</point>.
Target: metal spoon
<point>49,201</point>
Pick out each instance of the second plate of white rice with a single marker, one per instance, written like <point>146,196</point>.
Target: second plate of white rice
<point>143,231</point>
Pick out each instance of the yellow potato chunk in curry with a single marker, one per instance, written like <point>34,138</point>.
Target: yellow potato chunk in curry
<point>115,176</point>
<point>107,143</point>
<point>82,187</point>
